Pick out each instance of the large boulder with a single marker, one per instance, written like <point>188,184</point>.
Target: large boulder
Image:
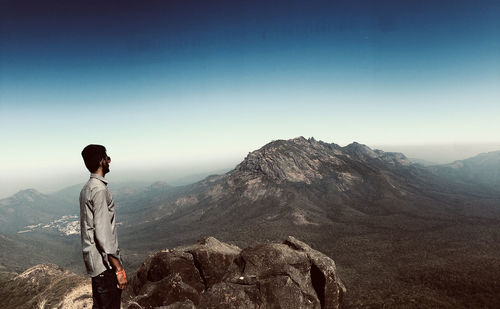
<point>213,274</point>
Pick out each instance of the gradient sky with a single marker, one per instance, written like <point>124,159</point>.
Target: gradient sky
<point>201,83</point>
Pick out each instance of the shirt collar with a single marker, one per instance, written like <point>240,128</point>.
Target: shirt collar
<point>99,177</point>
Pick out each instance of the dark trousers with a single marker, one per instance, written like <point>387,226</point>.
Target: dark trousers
<point>105,293</point>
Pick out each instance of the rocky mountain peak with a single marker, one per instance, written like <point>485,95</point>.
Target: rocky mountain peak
<point>360,151</point>
<point>394,158</point>
<point>159,185</point>
<point>294,160</point>
<point>29,195</point>
<point>300,140</point>
<point>307,160</point>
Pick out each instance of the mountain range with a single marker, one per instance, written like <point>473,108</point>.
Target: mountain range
<point>482,170</point>
<point>398,231</point>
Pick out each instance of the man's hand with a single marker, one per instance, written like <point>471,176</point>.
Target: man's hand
<point>120,272</point>
<point>122,279</point>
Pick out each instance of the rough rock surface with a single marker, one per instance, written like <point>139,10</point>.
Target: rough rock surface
<point>213,274</point>
<point>45,286</point>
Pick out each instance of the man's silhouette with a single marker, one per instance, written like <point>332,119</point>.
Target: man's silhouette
<point>101,253</point>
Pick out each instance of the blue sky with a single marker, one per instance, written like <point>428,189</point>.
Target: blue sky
<point>202,83</point>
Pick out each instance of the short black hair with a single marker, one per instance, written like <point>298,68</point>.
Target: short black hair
<point>92,155</point>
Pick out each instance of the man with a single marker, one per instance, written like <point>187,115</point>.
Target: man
<point>101,253</point>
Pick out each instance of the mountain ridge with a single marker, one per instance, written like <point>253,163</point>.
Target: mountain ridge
<point>354,176</point>
<point>482,170</point>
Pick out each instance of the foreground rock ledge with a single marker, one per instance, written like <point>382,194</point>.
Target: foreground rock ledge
<point>213,274</point>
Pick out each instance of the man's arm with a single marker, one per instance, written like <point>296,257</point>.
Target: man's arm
<point>104,236</point>
<point>117,266</point>
<point>120,272</point>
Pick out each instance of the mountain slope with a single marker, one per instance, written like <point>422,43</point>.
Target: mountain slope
<point>30,207</point>
<point>308,182</point>
<point>45,286</point>
<point>482,170</point>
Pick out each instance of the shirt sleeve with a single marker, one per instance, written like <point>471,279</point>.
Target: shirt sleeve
<point>104,235</point>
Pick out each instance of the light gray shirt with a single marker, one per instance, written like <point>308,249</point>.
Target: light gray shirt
<point>98,225</point>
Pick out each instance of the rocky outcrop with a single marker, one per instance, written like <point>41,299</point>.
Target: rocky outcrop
<point>296,160</point>
<point>213,274</point>
<point>45,286</point>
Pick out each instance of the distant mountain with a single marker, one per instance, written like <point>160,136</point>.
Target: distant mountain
<point>30,210</point>
<point>36,228</point>
<point>30,207</point>
<point>304,182</point>
<point>422,162</point>
<point>482,170</point>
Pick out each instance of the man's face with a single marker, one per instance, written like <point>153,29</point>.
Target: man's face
<point>105,164</point>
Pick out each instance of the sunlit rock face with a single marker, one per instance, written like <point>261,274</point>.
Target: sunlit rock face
<point>213,274</point>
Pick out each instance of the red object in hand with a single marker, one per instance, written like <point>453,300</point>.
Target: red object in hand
<point>122,271</point>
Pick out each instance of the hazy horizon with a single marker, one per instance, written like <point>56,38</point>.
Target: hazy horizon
<point>181,175</point>
<point>195,83</point>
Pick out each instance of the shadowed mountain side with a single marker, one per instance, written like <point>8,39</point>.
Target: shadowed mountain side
<point>21,251</point>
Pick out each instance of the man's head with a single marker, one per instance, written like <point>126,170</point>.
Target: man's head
<point>95,157</point>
